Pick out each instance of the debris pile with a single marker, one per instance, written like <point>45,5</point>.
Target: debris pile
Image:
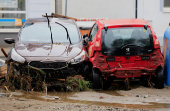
<point>33,80</point>
<point>25,81</point>
<point>76,83</point>
<point>3,70</point>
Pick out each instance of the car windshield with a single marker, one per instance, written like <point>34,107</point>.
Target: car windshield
<point>134,38</point>
<point>39,32</point>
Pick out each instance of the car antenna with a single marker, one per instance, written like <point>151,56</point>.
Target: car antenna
<point>49,27</point>
<point>68,37</point>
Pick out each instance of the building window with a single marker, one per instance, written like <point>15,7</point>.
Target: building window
<point>166,7</point>
<point>10,10</point>
<point>166,3</point>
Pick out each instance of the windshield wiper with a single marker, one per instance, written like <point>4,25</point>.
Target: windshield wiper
<point>68,37</point>
<point>131,45</point>
<point>50,28</point>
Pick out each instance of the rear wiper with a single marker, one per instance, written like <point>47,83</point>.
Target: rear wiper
<point>68,37</point>
<point>50,28</point>
<point>131,45</point>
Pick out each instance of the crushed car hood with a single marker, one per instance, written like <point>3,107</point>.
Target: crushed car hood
<point>37,51</point>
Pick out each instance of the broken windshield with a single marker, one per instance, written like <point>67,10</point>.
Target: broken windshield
<point>39,32</point>
<point>127,41</point>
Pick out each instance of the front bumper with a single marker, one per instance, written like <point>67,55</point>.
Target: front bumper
<point>48,65</point>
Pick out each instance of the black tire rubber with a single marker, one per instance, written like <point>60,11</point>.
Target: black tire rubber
<point>160,78</point>
<point>96,79</point>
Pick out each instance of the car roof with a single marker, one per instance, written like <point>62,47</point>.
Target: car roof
<point>113,22</point>
<point>52,20</point>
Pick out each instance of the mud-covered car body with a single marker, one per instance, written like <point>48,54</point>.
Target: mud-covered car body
<point>34,47</point>
<point>123,48</point>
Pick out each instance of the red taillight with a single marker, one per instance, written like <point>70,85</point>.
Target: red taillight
<point>97,45</point>
<point>157,44</point>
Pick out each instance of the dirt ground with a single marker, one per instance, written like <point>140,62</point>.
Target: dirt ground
<point>138,99</point>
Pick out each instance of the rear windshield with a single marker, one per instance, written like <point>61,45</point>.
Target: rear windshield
<point>40,32</point>
<point>127,41</point>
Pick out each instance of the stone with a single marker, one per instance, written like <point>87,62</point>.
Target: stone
<point>146,96</point>
<point>137,96</point>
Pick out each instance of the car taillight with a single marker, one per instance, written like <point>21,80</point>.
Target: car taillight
<point>157,45</point>
<point>97,45</point>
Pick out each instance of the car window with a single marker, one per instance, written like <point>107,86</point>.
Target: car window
<point>39,32</point>
<point>118,37</point>
<point>93,31</point>
<point>127,41</point>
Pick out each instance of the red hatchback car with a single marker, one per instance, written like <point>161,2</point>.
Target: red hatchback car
<point>124,48</point>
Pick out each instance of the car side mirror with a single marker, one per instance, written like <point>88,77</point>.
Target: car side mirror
<point>85,35</point>
<point>9,40</point>
<point>86,39</point>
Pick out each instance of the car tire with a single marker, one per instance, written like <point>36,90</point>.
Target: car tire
<point>159,80</point>
<point>96,79</point>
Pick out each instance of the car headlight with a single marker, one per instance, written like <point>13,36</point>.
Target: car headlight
<point>79,58</point>
<point>16,57</point>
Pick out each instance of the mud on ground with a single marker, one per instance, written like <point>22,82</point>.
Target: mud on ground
<point>138,99</point>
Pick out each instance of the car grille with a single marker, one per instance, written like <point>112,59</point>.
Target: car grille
<point>46,65</point>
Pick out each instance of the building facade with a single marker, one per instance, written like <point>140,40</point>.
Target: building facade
<point>13,13</point>
<point>156,12</point>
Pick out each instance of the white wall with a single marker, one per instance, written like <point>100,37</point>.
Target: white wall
<point>152,10</point>
<point>37,8</point>
<point>112,9</point>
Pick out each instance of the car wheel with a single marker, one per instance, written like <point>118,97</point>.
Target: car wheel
<point>160,78</point>
<point>86,71</point>
<point>96,79</point>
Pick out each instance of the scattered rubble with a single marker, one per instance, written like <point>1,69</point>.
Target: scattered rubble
<point>146,96</point>
<point>33,81</point>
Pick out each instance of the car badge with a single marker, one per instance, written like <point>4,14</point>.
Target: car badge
<point>47,58</point>
<point>127,49</point>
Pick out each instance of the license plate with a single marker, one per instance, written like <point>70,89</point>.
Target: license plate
<point>110,59</point>
<point>145,58</point>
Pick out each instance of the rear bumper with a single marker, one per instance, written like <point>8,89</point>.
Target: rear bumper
<point>128,72</point>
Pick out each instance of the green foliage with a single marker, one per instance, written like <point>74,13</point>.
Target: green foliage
<point>80,85</point>
<point>77,83</point>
